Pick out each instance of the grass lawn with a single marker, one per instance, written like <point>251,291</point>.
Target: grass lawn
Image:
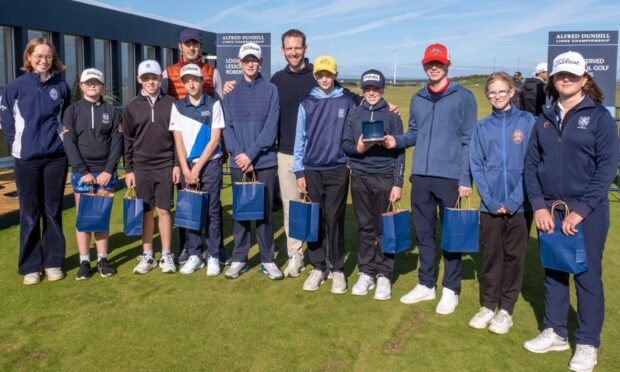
<point>176,322</point>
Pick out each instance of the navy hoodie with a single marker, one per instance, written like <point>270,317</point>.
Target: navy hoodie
<point>31,113</point>
<point>573,159</point>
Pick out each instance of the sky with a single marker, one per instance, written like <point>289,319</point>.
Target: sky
<point>481,36</point>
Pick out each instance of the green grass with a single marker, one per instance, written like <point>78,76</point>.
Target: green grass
<point>166,322</point>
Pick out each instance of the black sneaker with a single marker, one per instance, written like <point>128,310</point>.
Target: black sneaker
<point>84,272</point>
<point>104,267</point>
<point>183,256</point>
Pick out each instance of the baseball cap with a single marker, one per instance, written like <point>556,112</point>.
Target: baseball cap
<point>325,63</point>
<point>250,49</point>
<point>571,62</point>
<point>191,69</point>
<point>91,73</point>
<point>372,78</point>
<point>436,52</point>
<point>149,67</point>
<point>190,34</point>
<point>541,67</point>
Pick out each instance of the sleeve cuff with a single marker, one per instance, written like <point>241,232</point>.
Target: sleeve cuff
<point>582,209</point>
<point>299,174</point>
<point>511,205</point>
<point>538,203</point>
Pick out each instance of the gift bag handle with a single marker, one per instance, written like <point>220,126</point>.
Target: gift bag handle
<point>559,202</point>
<point>459,205</point>
<point>305,197</point>
<point>252,180</point>
<point>188,187</point>
<point>131,193</point>
<point>393,207</point>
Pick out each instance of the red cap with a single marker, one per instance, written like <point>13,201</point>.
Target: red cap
<point>436,52</point>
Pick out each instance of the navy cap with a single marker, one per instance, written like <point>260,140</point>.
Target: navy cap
<point>372,78</point>
<point>190,34</point>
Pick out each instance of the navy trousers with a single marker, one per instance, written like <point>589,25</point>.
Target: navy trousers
<point>211,182</point>
<point>40,189</point>
<point>428,193</point>
<point>370,195</point>
<point>264,229</point>
<point>589,285</point>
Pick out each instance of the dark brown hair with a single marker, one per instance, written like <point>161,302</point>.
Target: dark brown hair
<point>591,89</point>
<point>293,32</point>
<point>56,66</point>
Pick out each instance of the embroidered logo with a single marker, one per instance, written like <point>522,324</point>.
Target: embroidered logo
<point>546,124</point>
<point>105,118</point>
<point>54,94</point>
<point>436,51</point>
<point>205,113</point>
<point>517,136</point>
<point>583,122</point>
<point>340,113</point>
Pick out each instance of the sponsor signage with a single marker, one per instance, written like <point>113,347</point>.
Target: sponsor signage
<point>228,51</point>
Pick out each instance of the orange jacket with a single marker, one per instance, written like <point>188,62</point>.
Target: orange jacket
<point>175,85</point>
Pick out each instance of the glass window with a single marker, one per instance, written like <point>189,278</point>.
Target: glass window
<point>7,73</point>
<point>167,57</point>
<point>73,60</point>
<point>148,52</point>
<point>38,33</point>
<point>128,72</point>
<point>103,60</point>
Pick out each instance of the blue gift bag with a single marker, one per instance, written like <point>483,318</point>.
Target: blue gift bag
<point>133,213</point>
<point>395,230</point>
<point>94,212</point>
<point>248,200</point>
<point>459,230</point>
<point>303,220</point>
<point>562,252</point>
<point>191,211</point>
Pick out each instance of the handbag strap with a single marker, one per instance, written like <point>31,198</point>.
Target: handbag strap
<point>562,203</point>
<point>131,193</point>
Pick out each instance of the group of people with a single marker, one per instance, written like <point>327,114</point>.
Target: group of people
<point>304,131</point>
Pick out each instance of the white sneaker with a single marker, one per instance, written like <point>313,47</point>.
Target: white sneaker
<point>194,263</point>
<point>363,284</point>
<point>417,294</point>
<point>295,267</point>
<point>584,359</point>
<point>384,288</point>
<point>236,268</point>
<point>213,266</point>
<point>271,270</point>
<point>32,278</point>
<point>448,302</point>
<point>339,283</point>
<point>145,264</point>
<point>501,323</point>
<point>166,264</point>
<point>482,318</point>
<point>314,281</point>
<point>54,273</point>
<point>546,340</point>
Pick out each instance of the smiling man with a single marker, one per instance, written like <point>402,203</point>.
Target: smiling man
<point>441,118</point>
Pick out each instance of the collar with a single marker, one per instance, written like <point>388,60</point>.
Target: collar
<point>307,68</point>
<point>503,113</point>
<point>145,95</point>
<point>440,91</point>
<point>183,62</point>
<point>258,78</point>
<point>97,103</point>
<point>560,109</point>
<point>189,103</point>
<point>376,107</point>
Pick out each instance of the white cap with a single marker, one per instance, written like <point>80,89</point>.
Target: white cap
<point>191,69</point>
<point>149,67</point>
<point>541,67</point>
<point>571,62</point>
<point>250,49</point>
<point>92,73</point>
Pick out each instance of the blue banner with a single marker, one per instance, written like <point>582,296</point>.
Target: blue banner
<point>228,50</point>
<point>599,49</point>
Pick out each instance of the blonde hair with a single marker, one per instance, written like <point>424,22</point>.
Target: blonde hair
<point>57,65</point>
<point>500,76</point>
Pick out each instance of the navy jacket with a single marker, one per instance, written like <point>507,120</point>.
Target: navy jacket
<point>31,113</point>
<point>320,125</point>
<point>251,113</point>
<point>378,159</point>
<point>92,138</point>
<point>574,159</point>
<point>441,132</point>
<point>497,152</point>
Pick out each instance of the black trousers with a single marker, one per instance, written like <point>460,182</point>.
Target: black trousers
<point>264,228</point>
<point>329,188</point>
<point>370,195</point>
<point>40,188</point>
<point>503,240</point>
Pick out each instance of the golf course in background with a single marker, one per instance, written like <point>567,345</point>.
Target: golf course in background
<point>176,322</point>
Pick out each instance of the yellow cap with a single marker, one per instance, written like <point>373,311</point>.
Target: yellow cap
<point>325,63</point>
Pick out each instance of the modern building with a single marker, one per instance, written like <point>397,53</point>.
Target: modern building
<point>88,34</point>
